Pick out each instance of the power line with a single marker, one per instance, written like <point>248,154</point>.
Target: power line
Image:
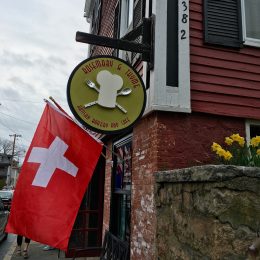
<point>12,130</point>
<point>17,118</point>
<point>27,141</point>
<point>24,101</point>
<point>6,126</point>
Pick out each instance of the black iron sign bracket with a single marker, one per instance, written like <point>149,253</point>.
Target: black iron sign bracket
<point>127,43</point>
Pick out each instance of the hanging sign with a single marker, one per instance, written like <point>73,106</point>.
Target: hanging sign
<point>106,94</point>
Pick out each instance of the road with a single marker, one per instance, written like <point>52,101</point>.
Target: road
<point>6,244</point>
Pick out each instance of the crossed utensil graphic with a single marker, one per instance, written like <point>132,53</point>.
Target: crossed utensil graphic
<point>123,92</point>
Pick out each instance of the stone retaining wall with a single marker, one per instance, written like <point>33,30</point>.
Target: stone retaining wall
<point>207,212</point>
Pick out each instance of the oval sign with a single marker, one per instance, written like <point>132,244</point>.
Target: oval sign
<point>106,94</point>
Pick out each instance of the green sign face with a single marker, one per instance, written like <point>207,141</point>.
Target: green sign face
<point>106,94</point>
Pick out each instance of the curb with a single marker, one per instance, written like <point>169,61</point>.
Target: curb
<point>10,252</point>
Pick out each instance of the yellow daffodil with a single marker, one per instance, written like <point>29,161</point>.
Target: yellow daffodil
<point>241,141</point>
<point>228,156</point>
<point>228,140</point>
<point>255,141</point>
<point>235,137</point>
<point>220,152</point>
<point>239,152</point>
<point>215,146</point>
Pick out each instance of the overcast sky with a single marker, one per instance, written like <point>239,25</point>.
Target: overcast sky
<point>38,52</point>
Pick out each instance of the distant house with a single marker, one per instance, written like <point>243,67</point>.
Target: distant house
<point>8,176</point>
<point>5,162</point>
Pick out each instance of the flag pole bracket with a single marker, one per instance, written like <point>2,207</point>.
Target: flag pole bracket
<point>127,42</point>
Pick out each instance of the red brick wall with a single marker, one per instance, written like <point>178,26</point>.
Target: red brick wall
<point>185,139</point>
<point>107,188</point>
<point>144,164</point>
<point>106,25</point>
<point>164,141</point>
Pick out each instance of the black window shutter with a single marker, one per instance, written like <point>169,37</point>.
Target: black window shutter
<point>223,22</point>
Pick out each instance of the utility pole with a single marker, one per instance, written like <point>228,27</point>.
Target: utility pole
<point>10,168</point>
<point>15,136</point>
<point>9,178</point>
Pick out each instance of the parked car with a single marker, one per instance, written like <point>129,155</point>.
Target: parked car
<point>7,196</point>
<point>4,214</point>
<point>8,188</point>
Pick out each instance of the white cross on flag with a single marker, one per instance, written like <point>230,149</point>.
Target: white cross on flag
<point>54,177</point>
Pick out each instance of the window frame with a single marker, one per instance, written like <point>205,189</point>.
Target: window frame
<point>117,25</point>
<point>127,24</point>
<point>163,96</point>
<point>84,226</point>
<point>247,40</point>
<point>119,195</point>
<point>96,17</point>
<point>124,26</point>
<point>95,23</point>
<point>130,15</point>
<point>250,123</point>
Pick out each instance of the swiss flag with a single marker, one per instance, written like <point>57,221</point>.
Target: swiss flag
<point>54,177</point>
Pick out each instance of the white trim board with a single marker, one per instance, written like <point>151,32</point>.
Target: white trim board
<point>161,96</point>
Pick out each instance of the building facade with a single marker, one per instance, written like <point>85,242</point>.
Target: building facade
<point>8,171</point>
<point>203,85</point>
<point>5,163</point>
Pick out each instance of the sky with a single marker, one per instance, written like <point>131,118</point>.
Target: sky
<point>38,52</point>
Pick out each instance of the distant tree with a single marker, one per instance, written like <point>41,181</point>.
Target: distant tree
<point>6,147</point>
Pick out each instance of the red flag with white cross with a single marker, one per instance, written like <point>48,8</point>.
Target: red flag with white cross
<point>54,177</point>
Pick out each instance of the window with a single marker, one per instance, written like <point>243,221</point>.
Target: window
<point>128,15</point>
<point>86,236</point>
<point>251,22</point>
<point>116,32</point>
<point>252,129</point>
<point>96,16</point>
<point>138,15</point>
<point>130,7</point>
<point>121,189</point>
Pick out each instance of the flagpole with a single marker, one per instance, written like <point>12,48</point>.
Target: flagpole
<point>59,107</point>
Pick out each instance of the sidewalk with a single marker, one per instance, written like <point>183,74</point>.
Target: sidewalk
<point>36,252</point>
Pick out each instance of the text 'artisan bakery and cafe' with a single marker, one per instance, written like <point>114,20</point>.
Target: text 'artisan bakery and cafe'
<point>106,94</point>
